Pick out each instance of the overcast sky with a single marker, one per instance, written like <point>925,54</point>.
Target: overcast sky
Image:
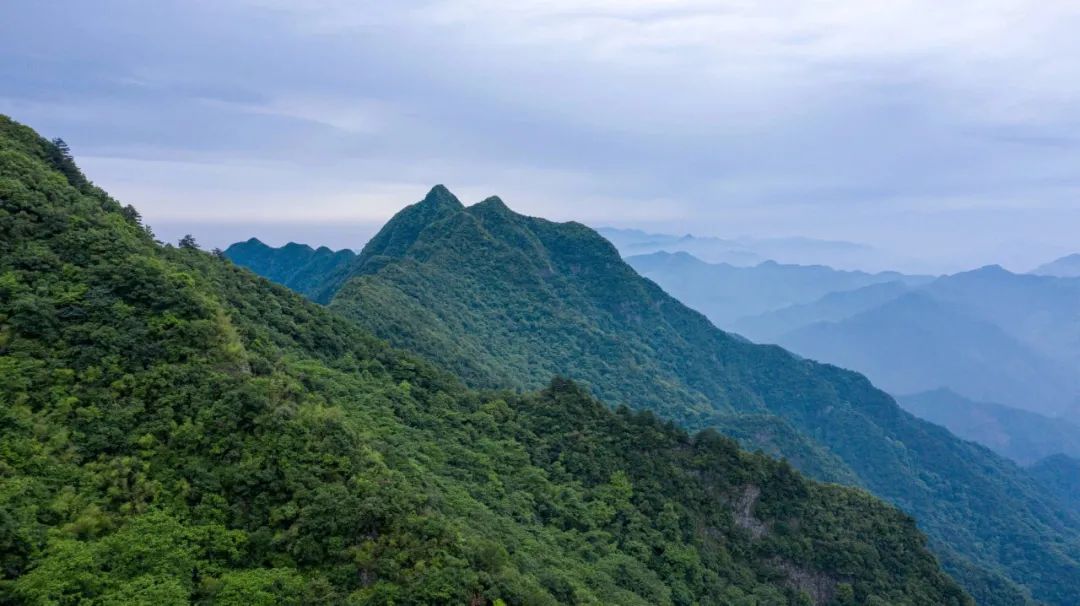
<point>944,131</point>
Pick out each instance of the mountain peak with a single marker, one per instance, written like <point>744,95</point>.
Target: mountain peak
<point>248,246</point>
<point>441,196</point>
<point>402,230</point>
<point>492,204</point>
<point>1065,267</point>
<point>298,247</point>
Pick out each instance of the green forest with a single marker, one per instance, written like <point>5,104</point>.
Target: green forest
<point>174,429</point>
<point>507,301</point>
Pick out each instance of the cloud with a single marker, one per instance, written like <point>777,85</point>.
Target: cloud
<point>834,118</point>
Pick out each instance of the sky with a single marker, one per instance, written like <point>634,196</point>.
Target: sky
<point>945,133</point>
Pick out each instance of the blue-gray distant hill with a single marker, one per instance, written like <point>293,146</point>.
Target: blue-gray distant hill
<point>1065,267</point>
<point>1023,436</point>
<point>987,334</point>
<point>918,342</point>
<point>746,251</point>
<point>726,293</point>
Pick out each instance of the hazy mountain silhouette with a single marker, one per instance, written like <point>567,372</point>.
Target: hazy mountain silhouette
<point>1065,267</point>
<point>768,327</point>
<point>918,342</point>
<point>745,251</point>
<point>726,293</point>
<point>1023,436</point>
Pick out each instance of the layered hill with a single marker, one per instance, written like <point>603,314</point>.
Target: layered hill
<point>726,293</point>
<point>770,326</point>
<point>747,251</point>
<point>507,300</point>
<point>987,334</point>
<point>1065,267</point>
<point>177,430</point>
<point>1022,436</point>
<point>919,342</point>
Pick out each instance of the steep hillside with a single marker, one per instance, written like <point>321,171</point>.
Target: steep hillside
<point>725,293</point>
<point>1060,474</point>
<point>509,300</point>
<point>1022,436</point>
<point>175,429</point>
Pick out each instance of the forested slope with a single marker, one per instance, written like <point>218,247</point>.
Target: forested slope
<point>174,429</point>
<point>507,300</point>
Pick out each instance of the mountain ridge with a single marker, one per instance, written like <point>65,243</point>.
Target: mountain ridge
<point>178,430</point>
<point>1020,435</point>
<point>482,306</point>
<point>1064,267</point>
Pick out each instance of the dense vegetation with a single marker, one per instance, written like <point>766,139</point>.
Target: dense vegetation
<point>1060,474</point>
<point>300,267</point>
<point>507,301</point>
<point>174,429</point>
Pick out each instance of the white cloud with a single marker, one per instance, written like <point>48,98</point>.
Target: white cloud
<point>848,119</point>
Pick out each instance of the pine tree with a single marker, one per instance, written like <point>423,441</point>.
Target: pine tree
<point>61,158</point>
<point>188,242</point>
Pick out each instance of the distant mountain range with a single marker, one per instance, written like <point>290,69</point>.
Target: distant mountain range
<point>1065,267</point>
<point>917,342</point>
<point>987,334</point>
<point>747,252</point>
<point>1023,436</point>
<point>726,293</point>
<point>506,301</point>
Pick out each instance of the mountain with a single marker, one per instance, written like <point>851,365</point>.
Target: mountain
<point>632,242</point>
<point>918,343</point>
<point>996,336</point>
<point>726,293</point>
<point>768,327</point>
<point>177,430</point>
<point>1022,436</point>
<point>507,300</point>
<point>747,252</point>
<point>1043,312</point>
<point>1065,267</point>
<point>297,266</point>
